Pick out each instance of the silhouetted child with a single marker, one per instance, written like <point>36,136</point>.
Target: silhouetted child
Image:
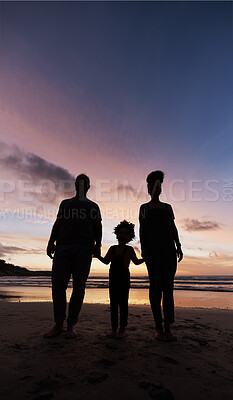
<point>119,276</point>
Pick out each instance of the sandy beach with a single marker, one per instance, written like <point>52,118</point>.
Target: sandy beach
<point>199,365</point>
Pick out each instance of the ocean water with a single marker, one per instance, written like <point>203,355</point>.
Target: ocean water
<point>197,283</point>
<point>195,291</point>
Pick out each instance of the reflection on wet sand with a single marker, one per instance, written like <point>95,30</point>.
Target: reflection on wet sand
<point>8,295</point>
<point>183,298</point>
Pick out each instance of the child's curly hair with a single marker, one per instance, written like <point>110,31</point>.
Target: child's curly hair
<point>125,225</point>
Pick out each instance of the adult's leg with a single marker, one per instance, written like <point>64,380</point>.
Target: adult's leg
<point>168,285</point>
<point>61,272</point>
<point>168,300</point>
<point>155,290</point>
<point>82,256</point>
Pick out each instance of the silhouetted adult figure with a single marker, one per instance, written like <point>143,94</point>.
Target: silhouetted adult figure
<point>77,232</point>
<point>160,246</point>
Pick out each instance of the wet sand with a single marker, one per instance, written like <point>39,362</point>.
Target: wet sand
<point>199,365</point>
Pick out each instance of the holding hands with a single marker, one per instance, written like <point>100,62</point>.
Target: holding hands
<point>97,251</point>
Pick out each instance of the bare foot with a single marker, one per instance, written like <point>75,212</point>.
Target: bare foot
<point>71,333</point>
<point>55,331</point>
<point>170,337</point>
<point>112,334</point>
<point>160,335</point>
<point>121,333</point>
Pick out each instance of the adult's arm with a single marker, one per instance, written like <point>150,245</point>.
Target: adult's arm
<point>97,228</point>
<point>54,233</point>
<point>142,230</point>
<point>176,240</point>
<point>98,232</point>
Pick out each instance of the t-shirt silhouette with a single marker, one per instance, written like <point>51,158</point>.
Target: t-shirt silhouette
<point>156,221</point>
<point>77,221</point>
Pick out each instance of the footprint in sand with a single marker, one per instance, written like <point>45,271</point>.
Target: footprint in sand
<point>156,390</point>
<point>161,394</point>
<point>96,377</point>
<point>132,328</point>
<point>106,362</point>
<point>170,360</point>
<point>45,396</point>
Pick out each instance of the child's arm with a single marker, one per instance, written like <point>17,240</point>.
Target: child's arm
<point>107,258</point>
<point>133,257</point>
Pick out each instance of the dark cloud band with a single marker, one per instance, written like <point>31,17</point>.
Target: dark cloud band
<point>14,159</point>
<point>196,225</point>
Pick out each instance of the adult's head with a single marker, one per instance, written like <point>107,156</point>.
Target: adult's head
<point>154,182</point>
<point>82,185</point>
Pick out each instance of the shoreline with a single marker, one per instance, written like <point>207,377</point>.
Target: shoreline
<point>49,302</point>
<point>197,365</point>
<point>183,298</point>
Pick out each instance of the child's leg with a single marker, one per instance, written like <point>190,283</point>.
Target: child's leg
<point>124,297</point>
<point>123,313</point>
<point>113,302</point>
<point>123,318</point>
<point>124,300</point>
<point>114,315</point>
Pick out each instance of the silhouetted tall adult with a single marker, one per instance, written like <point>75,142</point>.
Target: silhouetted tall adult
<point>77,232</point>
<point>160,246</point>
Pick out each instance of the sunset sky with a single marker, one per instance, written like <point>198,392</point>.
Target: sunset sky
<point>116,90</point>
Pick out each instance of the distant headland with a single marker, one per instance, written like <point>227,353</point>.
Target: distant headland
<point>14,270</point>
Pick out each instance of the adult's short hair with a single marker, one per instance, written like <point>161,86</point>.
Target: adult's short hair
<point>82,181</point>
